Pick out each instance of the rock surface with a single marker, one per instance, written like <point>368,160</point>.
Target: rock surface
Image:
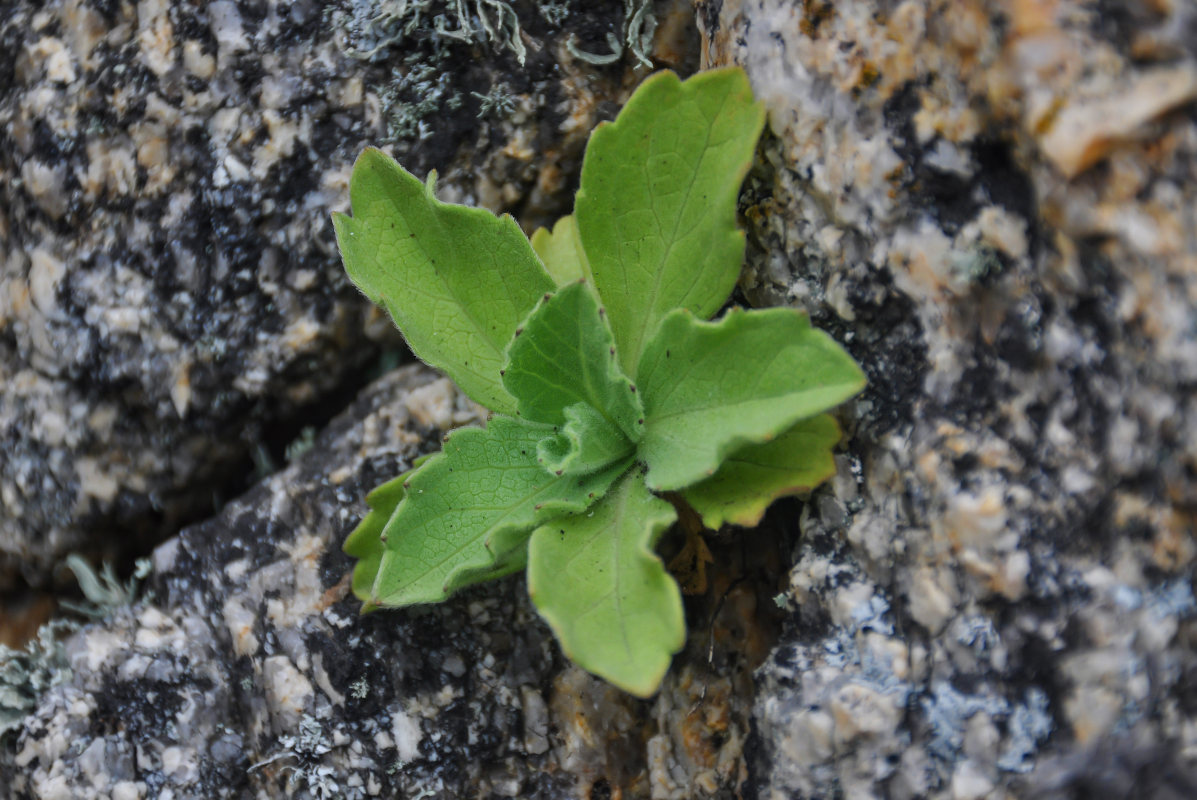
<point>250,673</point>
<point>991,204</point>
<point>171,301</point>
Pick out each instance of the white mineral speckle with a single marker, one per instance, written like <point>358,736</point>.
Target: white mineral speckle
<point>811,738</point>
<point>180,390</point>
<point>55,788</point>
<point>179,763</point>
<point>405,730</point>
<point>240,623</point>
<point>155,35</point>
<point>227,26</point>
<point>861,711</point>
<point>57,59</point>
<point>98,648</point>
<point>196,61</point>
<point>129,790</point>
<point>931,599</point>
<point>969,782</point>
<point>45,272</point>
<point>288,690</point>
<point>1086,129</point>
<point>157,630</point>
<point>433,404</point>
<point>95,480</point>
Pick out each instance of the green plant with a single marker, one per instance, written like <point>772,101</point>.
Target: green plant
<point>608,389</point>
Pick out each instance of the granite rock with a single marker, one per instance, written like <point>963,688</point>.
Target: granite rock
<point>249,672</point>
<point>990,203</point>
<point>171,301</point>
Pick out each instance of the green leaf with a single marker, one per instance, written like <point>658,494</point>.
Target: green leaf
<point>458,281</point>
<point>712,387</point>
<point>365,541</point>
<point>550,336</point>
<point>656,210</point>
<point>754,476</point>
<point>564,355</point>
<point>596,580</point>
<point>469,508</point>
<point>504,564</point>
<point>587,443</point>
<point>561,251</point>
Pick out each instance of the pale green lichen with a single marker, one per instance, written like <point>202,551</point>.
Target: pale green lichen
<point>426,30</point>
<point>413,95</point>
<point>373,28</point>
<point>300,444</point>
<point>639,26</point>
<point>553,13</point>
<point>25,675</point>
<point>104,590</point>
<point>498,102</point>
<point>307,750</point>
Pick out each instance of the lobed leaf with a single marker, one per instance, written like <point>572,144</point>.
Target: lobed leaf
<point>561,251</point>
<point>754,476</point>
<point>470,508</point>
<point>564,355</point>
<point>364,542</point>
<point>597,582</point>
<point>457,281</point>
<point>656,211</point>
<point>711,388</point>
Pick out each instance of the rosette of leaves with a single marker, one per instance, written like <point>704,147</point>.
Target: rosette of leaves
<point>609,385</point>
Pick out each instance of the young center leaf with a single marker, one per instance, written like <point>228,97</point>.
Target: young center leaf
<point>596,580</point>
<point>711,388</point>
<point>754,476</point>
<point>656,211</point>
<point>561,251</point>
<point>458,281</point>
<point>564,355</point>
<point>469,509</point>
<point>588,442</point>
